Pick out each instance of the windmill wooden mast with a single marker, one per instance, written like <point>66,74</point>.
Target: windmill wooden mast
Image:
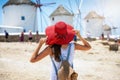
<point>42,18</point>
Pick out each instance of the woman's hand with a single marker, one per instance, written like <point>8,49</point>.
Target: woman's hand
<point>85,46</point>
<point>42,41</point>
<point>77,32</point>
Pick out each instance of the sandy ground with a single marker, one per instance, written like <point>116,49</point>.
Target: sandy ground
<point>96,64</point>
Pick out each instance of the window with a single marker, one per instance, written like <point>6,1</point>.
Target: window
<point>87,21</point>
<point>52,18</point>
<point>22,17</point>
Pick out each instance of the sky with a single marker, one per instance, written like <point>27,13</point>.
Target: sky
<point>107,8</point>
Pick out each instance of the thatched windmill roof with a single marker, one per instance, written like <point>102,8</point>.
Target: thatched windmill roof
<point>93,15</point>
<point>61,11</point>
<point>18,2</point>
<point>106,27</point>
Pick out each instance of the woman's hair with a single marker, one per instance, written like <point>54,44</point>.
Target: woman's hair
<point>56,52</point>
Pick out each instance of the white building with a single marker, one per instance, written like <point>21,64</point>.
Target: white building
<point>61,14</point>
<point>20,13</point>
<point>107,29</point>
<point>11,29</point>
<point>94,24</point>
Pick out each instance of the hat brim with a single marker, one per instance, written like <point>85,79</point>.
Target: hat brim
<point>52,39</point>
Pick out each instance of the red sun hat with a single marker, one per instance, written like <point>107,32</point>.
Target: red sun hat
<point>60,33</point>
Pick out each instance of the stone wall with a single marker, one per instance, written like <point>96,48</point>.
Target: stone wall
<point>16,38</point>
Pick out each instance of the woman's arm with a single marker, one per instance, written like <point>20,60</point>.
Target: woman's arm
<point>85,46</point>
<point>35,56</point>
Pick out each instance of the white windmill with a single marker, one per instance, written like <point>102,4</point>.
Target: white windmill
<point>23,13</point>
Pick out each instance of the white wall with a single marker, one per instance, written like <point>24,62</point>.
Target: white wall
<point>94,27</point>
<point>107,32</point>
<point>10,29</point>
<point>67,19</point>
<point>12,16</point>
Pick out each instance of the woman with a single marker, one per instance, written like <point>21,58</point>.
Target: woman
<point>59,37</point>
